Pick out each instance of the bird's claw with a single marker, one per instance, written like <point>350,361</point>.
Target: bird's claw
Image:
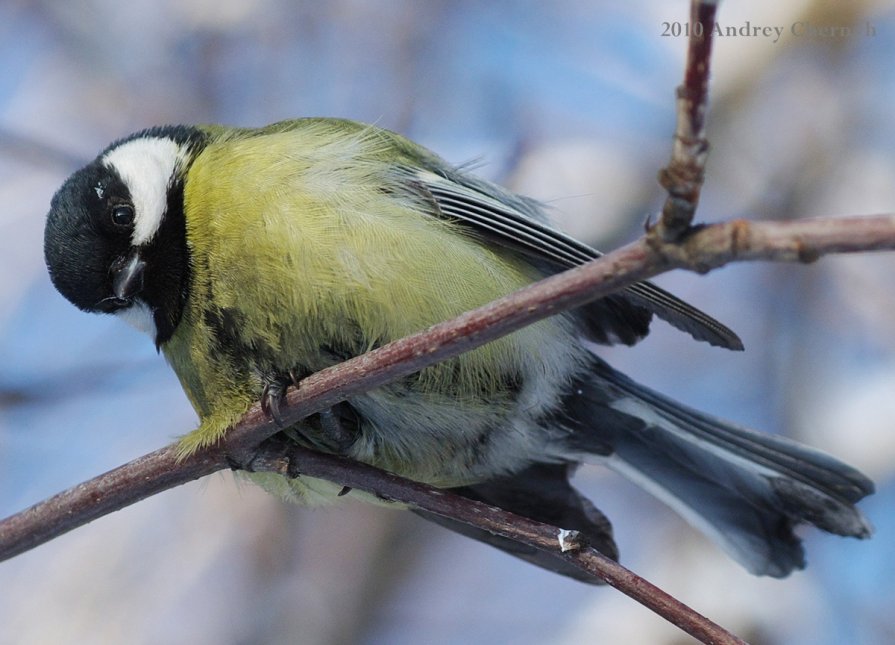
<point>332,430</point>
<point>271,396</point>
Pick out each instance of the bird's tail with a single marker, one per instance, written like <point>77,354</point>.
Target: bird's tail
<point>744,489</point>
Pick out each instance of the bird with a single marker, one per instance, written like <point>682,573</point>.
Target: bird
<point>254,257</point>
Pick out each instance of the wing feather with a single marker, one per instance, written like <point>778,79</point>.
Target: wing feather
<point>519,223</point>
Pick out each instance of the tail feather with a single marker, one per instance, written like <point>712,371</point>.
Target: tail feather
<point>744,489</point>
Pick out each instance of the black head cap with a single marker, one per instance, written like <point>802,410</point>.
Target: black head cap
<point>104,250</point>
<point>81,240</point>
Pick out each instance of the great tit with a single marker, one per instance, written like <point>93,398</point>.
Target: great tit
<point>254,257</point>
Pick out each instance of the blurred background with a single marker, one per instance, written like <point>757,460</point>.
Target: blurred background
<point>569,101</point>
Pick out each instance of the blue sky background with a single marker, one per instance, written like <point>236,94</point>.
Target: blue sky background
<point>568,101</point>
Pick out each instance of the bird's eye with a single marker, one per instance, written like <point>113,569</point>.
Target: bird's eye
<point>123,215</point>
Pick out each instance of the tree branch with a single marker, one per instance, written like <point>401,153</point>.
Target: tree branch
<point>291,460</point>
<point>683,176</point>
<point>701,249</point>
<point>81,504</point>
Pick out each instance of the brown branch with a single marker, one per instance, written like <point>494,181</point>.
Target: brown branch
<point>683,176</point>
<point>159,470</point>
<point>128,484</point>
<point>709,247</point>
<point>291,460</point>
<point>702,249</point>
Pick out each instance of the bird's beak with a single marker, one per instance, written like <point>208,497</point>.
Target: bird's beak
<point>127,276</point>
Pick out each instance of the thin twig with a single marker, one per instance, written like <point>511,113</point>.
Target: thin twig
<point>703,249</point>
<point>128,484</point>
<point>683,176</point>
<point>291,460</point>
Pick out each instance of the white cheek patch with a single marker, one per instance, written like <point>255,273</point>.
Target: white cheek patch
<point>146,166</point>
<point>139,316</point>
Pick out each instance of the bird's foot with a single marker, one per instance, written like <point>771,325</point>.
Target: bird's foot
<point>333,430</point>
<point>272,395</point>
